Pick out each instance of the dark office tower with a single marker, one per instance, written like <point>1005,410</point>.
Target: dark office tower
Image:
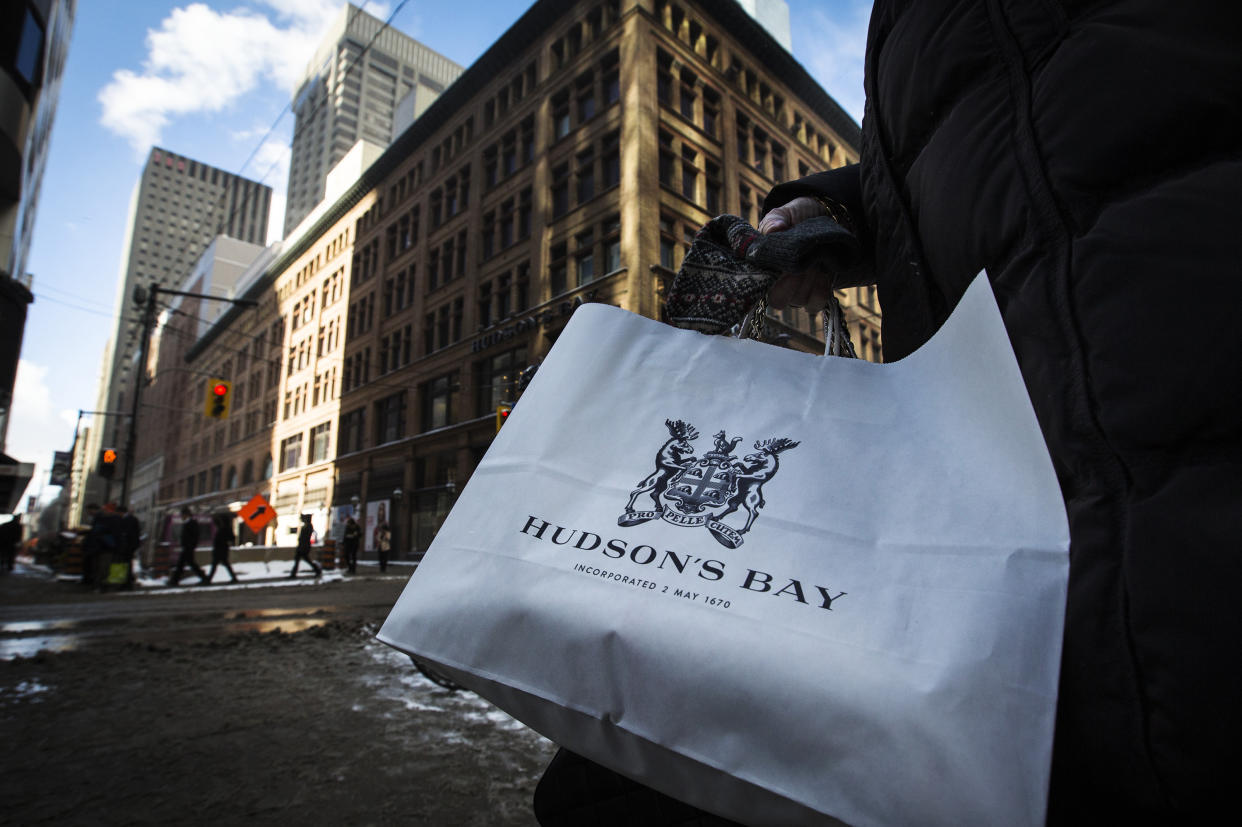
<point>178,207</point>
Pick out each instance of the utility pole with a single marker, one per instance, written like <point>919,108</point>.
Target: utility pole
<point>147,298</point>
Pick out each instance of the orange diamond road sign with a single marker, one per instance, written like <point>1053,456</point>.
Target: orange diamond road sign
<point>257,513</point>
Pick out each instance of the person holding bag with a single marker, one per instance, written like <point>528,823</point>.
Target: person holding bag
<point>1036,141</point>
<point>1030,141</point>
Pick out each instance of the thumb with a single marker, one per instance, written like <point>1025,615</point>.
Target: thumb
<point>794,212</point>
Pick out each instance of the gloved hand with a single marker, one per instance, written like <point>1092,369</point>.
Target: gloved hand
<point>809,288</point>
<point>796,211</point>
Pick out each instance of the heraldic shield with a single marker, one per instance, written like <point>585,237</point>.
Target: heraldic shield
<point>690,491</point>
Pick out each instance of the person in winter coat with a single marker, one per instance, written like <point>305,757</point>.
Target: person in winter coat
<point>383,544</point>
<point>1087,156</point>
<point>352,538</point>
<point>305,534</point>
<point>131,540</point>
<point>189,542</point>
<point>221,543</point>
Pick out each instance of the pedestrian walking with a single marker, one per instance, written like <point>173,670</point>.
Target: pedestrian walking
<point>352,539</point>
<point>189,542</point>
<point>383,542</point>
<point>103,545</point>
<point>131,539</point>
<point>221,543</point>
<point>302,552</point>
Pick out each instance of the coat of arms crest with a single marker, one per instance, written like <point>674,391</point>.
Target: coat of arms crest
<point>688,490</point>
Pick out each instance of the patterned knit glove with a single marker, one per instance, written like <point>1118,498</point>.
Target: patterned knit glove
<point>730,267</point>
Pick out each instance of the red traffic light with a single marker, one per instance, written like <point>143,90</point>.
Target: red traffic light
<point>220,389</point>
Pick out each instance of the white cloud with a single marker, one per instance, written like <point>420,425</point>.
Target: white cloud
<point>832,47</point>
<point>36,427</point>
<point>202,60</point>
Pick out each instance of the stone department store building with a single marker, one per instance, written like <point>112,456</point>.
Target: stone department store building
<point>571,163</point>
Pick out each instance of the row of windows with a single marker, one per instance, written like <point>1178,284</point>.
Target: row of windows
<point>505,225</point>
<point>684,169</point>
<point>679,89</point>
<point>594,169</point>
<point>497,106</point>
<point>596,252</point>
<point>503,295</point>
<point>495,381</point>
<point>319,441</point>
<point>214,479</point>
<point>583,32</point>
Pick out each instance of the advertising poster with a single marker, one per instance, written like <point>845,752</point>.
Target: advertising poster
<point>340,514</point>
<point>377,514</point>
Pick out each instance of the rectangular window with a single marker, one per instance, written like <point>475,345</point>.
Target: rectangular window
<point>508,154</point>
<point>689,173</point>
<point>528,140</point>
<point>560,190</point>
<point>291,452</point>
<point>507,220</point>
<point>484,306</point>
<point>612,79</point>
<point>319,438</point>
<point>437,408</point>
<point>711,112</point>
<point>496,380</point>
<point>611,160</point>
<point>586,176</point>
<point>352,429</point>
<point>584,258</point>
<point>560,115</point>
<point>715,189</point>
<point>557,265</point>
<point>585,93</point>
<point>390,418</point>
<point>612,244</point>
<point>668,244</point>
<point>524,211</point>
<point>503,304</point>
<point>488,231</point>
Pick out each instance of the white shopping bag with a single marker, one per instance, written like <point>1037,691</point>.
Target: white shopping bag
<point>777,586</point>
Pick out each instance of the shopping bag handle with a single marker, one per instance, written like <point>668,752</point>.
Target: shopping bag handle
<point>837,340</point>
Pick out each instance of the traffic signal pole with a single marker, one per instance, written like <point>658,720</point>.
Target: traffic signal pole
<point>140,379</point>
<point>147,297</point>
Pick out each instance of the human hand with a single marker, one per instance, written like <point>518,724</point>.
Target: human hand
<point>797,210</point>
<point>811,288</point>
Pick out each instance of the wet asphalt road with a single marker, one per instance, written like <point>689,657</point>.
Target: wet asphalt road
<point>40,613</point>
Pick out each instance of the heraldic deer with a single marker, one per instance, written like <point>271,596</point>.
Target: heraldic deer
<point>762,467</point>
<point>675,455</point>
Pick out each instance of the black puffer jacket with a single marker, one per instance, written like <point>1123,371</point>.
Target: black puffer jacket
<point>1089,156</point>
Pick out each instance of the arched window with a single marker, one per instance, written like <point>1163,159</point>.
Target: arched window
<point>248,472</point>
<point>267,467</point>
<point>231,478</point>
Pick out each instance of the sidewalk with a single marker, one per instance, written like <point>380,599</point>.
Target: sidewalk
<point>32,583</point>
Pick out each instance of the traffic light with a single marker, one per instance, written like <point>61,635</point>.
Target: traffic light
<point>107,463</point>
<point>219,392</point>
<point>502,414</point>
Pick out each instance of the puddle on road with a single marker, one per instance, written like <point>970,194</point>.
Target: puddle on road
<point>76,635</point>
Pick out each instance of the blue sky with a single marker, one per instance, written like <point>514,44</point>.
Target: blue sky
<point>209,80</point>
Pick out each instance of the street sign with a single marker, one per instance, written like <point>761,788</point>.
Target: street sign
<point>257,513</point>
<point>62,463</point>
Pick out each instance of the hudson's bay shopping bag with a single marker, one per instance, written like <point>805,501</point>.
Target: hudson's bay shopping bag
<point>775,585</point>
